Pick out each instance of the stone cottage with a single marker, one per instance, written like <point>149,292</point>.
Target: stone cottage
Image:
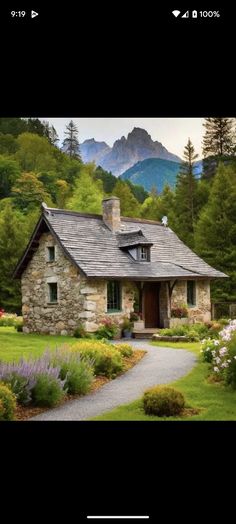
<point>82,267</point>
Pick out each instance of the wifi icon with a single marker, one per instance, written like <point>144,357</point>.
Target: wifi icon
<point>176,13</point>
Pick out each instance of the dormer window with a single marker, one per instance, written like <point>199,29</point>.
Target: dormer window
<point>143,253</point>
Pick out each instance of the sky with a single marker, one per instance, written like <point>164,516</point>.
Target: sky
<point>173,133</point>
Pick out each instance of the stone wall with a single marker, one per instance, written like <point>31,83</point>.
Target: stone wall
<point>38,314</point>
<point>202,311</point>
<point>79,299</point>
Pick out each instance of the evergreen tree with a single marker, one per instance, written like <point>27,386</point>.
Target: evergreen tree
<point>34,125</point>
<point>186,205</point>
<point>215,236</point>
<point>129,206</point>
<point>13,239</point>
<point>107,178</point>
<point>71,142</point>
<point>53,136</point>
<point>218,143</point>
<point>88,194</point>
<point>9,172</point>
<point>13,126</point>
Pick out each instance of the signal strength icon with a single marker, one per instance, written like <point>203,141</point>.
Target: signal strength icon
<point>186,15</point>
<point>176,13</point>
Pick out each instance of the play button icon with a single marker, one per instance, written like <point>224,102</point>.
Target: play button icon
<point>33,14</point>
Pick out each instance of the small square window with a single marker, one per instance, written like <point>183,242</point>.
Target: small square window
<point>51,254</point>
<point>52,292</point>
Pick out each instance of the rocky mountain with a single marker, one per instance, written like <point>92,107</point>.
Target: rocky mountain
<point>156,172</point>
<point>92,151</point>
<point>125,152</point>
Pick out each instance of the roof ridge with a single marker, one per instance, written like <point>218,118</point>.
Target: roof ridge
<point>141,220</point>
<point>73,213</point>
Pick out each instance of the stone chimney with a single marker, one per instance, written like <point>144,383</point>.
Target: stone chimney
<point>111,213</point>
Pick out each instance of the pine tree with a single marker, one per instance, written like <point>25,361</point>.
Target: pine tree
<point>53,136</point>
<point>129,206</point>
<point>71,142</point>
<point>218,143</point>
<point>88,194</point>
<point>186,206</point>
<point>215,237</point>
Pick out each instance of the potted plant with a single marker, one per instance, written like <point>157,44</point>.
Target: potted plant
<point>127,328</point>
<point>138,323</point>
<point>179,315</point>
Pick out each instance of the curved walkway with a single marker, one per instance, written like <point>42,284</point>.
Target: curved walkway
<point>158,366</point>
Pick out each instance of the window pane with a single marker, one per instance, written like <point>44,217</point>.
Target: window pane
<point>51,253</point>
<point>191,293</point>
<point>113,295</point>
<point>53,292</point>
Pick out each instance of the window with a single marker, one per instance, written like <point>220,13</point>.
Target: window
<point>52,292</point>
<point>51,254</point>
<point>191,293</point>
<point>143,253</point>
<point>113,296</point>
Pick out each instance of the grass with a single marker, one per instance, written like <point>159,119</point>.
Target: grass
<point>215,401</point>
<point>14,345</point>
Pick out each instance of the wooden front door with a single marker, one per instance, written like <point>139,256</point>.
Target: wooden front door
<point>151,305</point>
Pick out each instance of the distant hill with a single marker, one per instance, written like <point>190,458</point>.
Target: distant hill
<point>125,152</point>
<point>155,172</point>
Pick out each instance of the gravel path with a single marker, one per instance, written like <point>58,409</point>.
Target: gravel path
<point>158,366</point>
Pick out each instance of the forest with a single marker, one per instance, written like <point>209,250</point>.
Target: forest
<point>34,169</point>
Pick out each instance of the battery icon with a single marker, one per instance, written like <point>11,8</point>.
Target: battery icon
<point>194,14</point>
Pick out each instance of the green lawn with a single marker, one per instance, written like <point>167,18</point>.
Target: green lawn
<point>214,400</point>
<point>14,345</point>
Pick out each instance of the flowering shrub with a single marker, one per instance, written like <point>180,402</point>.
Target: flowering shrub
<point>9,319</point>
<point>179,312</point>
<point>108,329</point>
<point>106,359</point>
<point>125,349</point>
<point>7,403</point>
<point>47,391</point>
<point>22,376</point>
<point>222,354</point>
<point>74,370</point>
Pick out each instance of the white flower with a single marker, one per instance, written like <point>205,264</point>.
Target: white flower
<point>223,351</point>
<point>235,357</point>
<point>217,360</point>
<point>216,342</point>
<point>229,360</point>
<point>216,369</point>
<point>213,353</point>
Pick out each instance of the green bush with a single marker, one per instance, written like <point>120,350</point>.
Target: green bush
<point>78,376</point>
<point>7,403</point>
<point>19,386</point>
<point>47,391</point>
<point>207,347</point>
<point>10,320</point>
<point>125,349</point>
<point>80,332</point>
<point>106,359</point>
<point>163,401</point>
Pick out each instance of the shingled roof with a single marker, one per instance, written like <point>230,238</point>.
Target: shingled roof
<point>97,252</point>
<point>131,239</point>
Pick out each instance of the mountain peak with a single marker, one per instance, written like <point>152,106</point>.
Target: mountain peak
<point>125,151</point>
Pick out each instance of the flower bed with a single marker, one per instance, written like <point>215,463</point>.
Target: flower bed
<point>60,374</point>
